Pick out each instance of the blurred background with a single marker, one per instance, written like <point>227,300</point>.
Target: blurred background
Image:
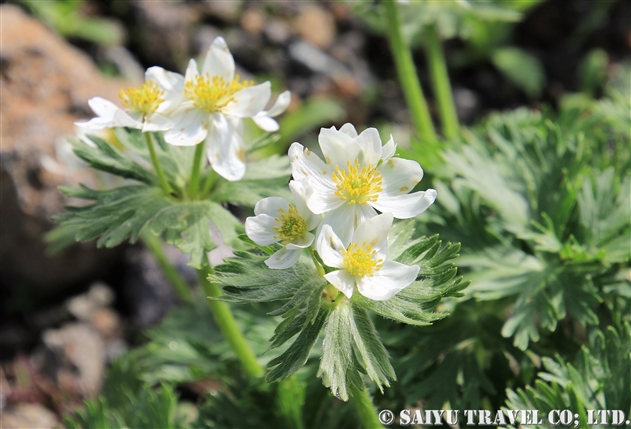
<point>63,318</point>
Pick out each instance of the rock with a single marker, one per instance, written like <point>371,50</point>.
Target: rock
<point>316,25</point>
<point>146,292</point>
<point>75,358</point>
<point>163,36</point>
<point>277,31</point>
<point>253,20</point>
<point>28,416</point>
<point>227,11</point>
<point>47,84</point>
<point>85,305</point>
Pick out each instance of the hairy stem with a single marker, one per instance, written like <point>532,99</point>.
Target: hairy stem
<point>154,245</point>
<point>156,164</point>
<point>408,76</point>
<point>226,322</point>
<point>365,409</point>
<point>440,82</point>
<point>197,165</point>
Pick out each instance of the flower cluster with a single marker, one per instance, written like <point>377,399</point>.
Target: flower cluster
<point>202,106</point>
<point>339,199</point>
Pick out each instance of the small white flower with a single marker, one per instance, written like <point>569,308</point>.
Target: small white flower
<point>212,105</point>
<point>278,220</point>
<point>363,262</point>
<point>144,107</point>
<point>359,176</point>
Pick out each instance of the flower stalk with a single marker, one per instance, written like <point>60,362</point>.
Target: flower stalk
<point>440,82</point>
<point>193,185</point>
<point>228,326</point>
<point>154,245</point>
<point>407,75</point>
<point>156,164</point>
<point>365,409</point>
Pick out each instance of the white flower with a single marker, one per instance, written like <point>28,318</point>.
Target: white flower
<point>144,107</point>
<point>358,177</point>
<point>212,105</point>
<point>363,262</point>
<point>278,220</point>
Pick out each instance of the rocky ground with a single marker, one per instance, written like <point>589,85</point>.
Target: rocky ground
<point>65,317</point>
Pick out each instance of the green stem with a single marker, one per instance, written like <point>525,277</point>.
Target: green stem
<point>208,184</point>
<point>156,164</point>
<point>365,409</point>
<point>408,76</point>
<point>226,322</point>
<point>154,245</point>
<point>440,81</point>
<point>197,164</point>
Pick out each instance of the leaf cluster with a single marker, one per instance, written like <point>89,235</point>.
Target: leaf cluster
<point>309,311</point>
<point>124,212</point>
<point>598,379</point>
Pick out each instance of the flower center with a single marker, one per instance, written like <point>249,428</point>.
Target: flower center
<point>292,226</point>
<point>359,260</point>
<point>357,186</point>
<point>211,93</point>
<point>143,99</point>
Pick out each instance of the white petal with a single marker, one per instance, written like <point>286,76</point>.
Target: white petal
<point>370,143</point>
<point>329,247</point>
<point>302,243</point>
<point>343,281</point>
<point>249,101</point>
<point>283,259</point>
<point>225,148</point>
<point>122,119</point>
<point>271,206</point>
<point>189,128</point>
<point>95,124</point>
<point>374,232</point>
<point>388,281</point>
<point>102,107</point>
<point>341,221</point>
<point>168,81</point>
<point>299,192</point>
<point>261,230</point>
<point>157,122</point>
<point>399,176</point>
<point>219,60</point>
<point>266,123</point>
<point>282,102</point>
<point>191,71</point>
<point>389,149</point>
<point>337,147</point>
<point>306,165</point>
<point>349,130</point>
<point>405,206</point>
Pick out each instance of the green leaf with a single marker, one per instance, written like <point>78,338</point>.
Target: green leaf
<point>338,366</point>
<point>106,158</point>
<point>121,213</point>
<point>523,69</point>
<point>265,178</point>
<point>297,354</point>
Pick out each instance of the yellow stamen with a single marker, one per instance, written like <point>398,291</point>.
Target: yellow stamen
<point>292,226</point>
<point>359,260</point>
<point>143,99</point>
<point>211,93</point>
<point>357,186</point>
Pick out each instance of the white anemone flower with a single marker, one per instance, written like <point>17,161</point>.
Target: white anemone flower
<point>212,105</point>
<point>360,176</point>
<point>145,107</point>
<point>363,262</point>
<point>278,220</point>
